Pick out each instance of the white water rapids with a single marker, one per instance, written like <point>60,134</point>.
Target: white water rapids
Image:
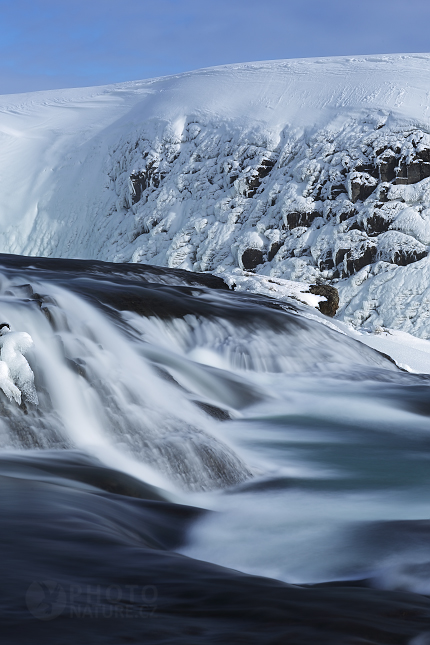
<point>312,448</point>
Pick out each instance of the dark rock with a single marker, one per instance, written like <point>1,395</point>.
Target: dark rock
<point>412,173</point>
<point>274,248</point>
<point>266,166</point>
<point>424,154</point>
<point>213,411</point>
<point>138,184</point>
<point>143,179</point>
<point>346,214</point>
<point>369,169</point>
<point>253,184</point>
<point>336,190</point>
<point>402,174</point>
<point>359,256</point>
<point>387,164</point>
<point>378,223</point>
<point>425,170</point>
<point>354,225</point>
<point>402,257</point>
<point>356,252</point>
<point>340,254</point>
<point>362,186</point>
<point>401,249</point>
<point>77,366</point>
<point>251,258</point>
<point>301,219</point>
<point>233,178</point>
<point>383,192</point>
<point>331,305</point>
<point>326,263</point>
<point>254,181</point>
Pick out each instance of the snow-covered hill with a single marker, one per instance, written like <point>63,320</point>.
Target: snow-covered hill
<point>305,170</point>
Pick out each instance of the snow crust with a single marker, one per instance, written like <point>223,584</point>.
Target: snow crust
<point>276,159</point>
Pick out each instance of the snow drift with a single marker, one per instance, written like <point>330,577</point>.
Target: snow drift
<point>309,170</point>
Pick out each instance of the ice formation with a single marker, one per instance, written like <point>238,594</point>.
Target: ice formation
<point>302,170</point>
<point>16,375</point>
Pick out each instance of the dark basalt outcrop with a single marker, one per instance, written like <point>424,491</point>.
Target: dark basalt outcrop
<point>359,257</point>
<point>403,168</point>
<point>387,163</point>
<point>254,181</point>
<point>333,182</point>
<point>362,186</point>
<point>143,179</point>
<point>412,172</point>
<point>251,258</point>
<point>378,222</point>
<point>400,249</point>
<point>301,219</point>
<point>331,305</point>
<point>274,248</point>
<point>326,262</point>
<point>402,257</point>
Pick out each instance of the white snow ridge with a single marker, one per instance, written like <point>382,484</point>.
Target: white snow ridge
<point>306,170</point>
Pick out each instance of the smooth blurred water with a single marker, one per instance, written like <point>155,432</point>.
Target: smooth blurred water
<point>312,450</point>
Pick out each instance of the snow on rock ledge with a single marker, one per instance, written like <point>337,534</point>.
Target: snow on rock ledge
<point>322,297</point>
<point>312,170</point>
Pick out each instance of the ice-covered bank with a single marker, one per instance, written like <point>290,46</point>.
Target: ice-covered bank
<point>308,170</point>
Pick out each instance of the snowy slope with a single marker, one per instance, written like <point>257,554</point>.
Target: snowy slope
<point>307,170</point>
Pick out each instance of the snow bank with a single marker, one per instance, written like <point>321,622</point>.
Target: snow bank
<point>302,170</point>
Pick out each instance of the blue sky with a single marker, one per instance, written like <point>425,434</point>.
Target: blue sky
<point>48,44</point>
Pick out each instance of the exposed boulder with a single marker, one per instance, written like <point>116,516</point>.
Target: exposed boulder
<point>265,167</point>
<point>251,258</point>
<point>368,168</point>
<point>423,154</point>
<point>329,306</point>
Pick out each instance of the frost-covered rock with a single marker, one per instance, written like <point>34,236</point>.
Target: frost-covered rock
<point>312,170</point>
<point>401,249</point>
<point>16,375</point>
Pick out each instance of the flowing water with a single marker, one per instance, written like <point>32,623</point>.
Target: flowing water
<point>177,417</point>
